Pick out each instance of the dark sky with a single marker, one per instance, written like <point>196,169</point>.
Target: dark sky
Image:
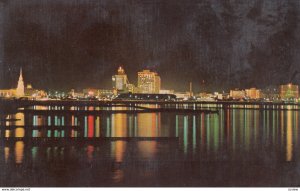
<point>64,44</point>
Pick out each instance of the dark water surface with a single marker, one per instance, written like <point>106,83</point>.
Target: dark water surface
<point>236,147</point>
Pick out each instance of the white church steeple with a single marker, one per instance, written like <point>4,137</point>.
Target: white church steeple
<point>20,91</point>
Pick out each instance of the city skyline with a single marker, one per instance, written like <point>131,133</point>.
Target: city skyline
<point>149,93</point>
<point>224,44</point>
<point>149,87</point>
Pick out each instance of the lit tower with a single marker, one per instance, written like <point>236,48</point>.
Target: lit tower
<point>121,71</point>
<point>191,89</point>
<point>148,82</point>
<point>20,92</point>
<point>120,81</point>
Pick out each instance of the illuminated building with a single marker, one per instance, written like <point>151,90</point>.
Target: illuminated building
<point>120,80</point>
<point>121,83</point>
<point>191,89</point>
<point>132,88</point>
<point>105,93</point>
<point>30,92</point>
<point>166,91</point>
<point>271,93</point>
<point>143,96</point>
<point>237,94</point>
<point>289,91</point>
<point>148,82</point>
<point>90,92</point>
<point>253,93</point>
<point>20,92</point>
<point>182,95</point>
<point>220,96</point>
<point>76,94</point>
<point>8,93</point>
<point>203,96</point>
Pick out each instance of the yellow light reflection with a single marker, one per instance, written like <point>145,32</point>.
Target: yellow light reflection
<point>19,151</point>
<point>296,128</point>
<point>7,133</point>
<point>289,137</point>
<point>6,153</point>
<point>119,148</point>
<point>282,125</point>
<point>7,122</point>
<point>148,149</point>
<point>147,125</point>
<point>20,116</point>
<point>19,132</point>
<point>119,125</point>
<point>97,127</point>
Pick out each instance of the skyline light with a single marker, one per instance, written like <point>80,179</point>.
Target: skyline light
<point>150,83</point>
<point>149,93</point>
<point>187,40</point>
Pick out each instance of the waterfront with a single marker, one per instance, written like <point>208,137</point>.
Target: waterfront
<point>234,147</point>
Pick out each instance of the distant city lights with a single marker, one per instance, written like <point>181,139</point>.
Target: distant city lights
<point>148,83</point>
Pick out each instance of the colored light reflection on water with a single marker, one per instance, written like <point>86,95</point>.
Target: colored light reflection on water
<point>19,151</point>
<point>238,146</point>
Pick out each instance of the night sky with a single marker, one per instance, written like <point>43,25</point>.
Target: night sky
<point>64,44</point>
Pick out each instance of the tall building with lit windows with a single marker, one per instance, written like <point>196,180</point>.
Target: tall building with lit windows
<point>148,82</point>
<point>121,83</point>
<point>120,80</point>
<point>289,91</point>
<point>253,93</point>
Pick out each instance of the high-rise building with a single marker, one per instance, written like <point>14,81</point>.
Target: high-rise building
<point>148,82</point>
<point>120,80</point>
<point>253,93</point>
<point>289,91</point>
<point>121,83</point>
